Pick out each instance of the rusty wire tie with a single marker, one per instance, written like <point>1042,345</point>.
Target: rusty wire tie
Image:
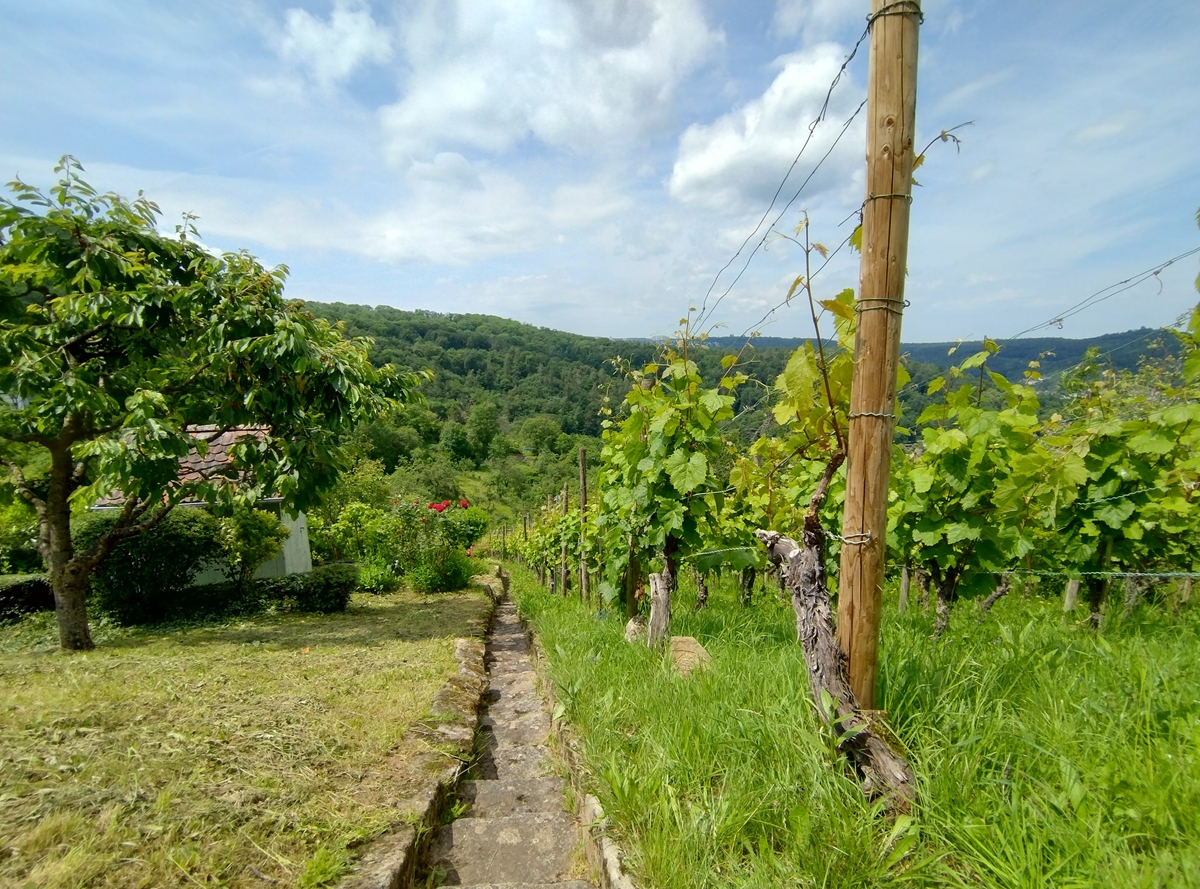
<point>890,194</point>
<point>892,9</point>
<point>856,414</point>
<point>883,300</point>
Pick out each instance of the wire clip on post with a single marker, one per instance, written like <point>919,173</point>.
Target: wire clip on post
<point>901,7</point>
<point>856,414</point>
<point>885,304</point>
<point>861,539</point>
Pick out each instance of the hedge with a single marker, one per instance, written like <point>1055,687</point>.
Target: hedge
<point>22,594</point>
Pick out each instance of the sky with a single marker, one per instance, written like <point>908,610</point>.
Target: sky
<point>591,165</point>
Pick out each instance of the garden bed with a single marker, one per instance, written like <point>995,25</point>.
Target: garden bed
<point>236,754</point>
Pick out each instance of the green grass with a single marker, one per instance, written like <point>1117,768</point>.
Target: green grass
<point>209,755</point>
<point>1047,755</point>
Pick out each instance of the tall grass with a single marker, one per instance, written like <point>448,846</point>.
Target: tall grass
<point>1047,755</point>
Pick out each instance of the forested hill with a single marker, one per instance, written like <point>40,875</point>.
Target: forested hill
<point>534,371</point>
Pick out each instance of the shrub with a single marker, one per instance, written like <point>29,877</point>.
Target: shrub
<point>250,537</point>
<point>23,594</point>
<point>18,539</point>
<point>146,578</point>
<point>440,572</point>
<point>469,525</point>
<point>377,576</point>
<point>324,590</point>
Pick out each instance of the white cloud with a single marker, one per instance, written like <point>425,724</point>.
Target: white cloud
<point>331,51</point>
<point>739,159</point>
<point>579,75</point>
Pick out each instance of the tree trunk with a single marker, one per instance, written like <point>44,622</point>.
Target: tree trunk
<point>70,585</point>
<point>701,591</point>
<point>905,579</point>
<point>68,574</point>
<point>746,581</point>
<point>660,607</point>
<point>922,578</point>
<point>1002,589</point>
<point>1097,593</point>
<point>1071,595</point>
<point>947,591</point>
<point>881,769</point>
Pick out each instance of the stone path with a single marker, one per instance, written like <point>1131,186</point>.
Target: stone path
<point>516,832</point>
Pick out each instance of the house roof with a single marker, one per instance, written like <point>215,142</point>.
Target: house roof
<point>215,463</point>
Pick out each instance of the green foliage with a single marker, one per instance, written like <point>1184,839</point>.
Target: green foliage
<point>151,573</point>
<point>441,570</point>
<point>249,538</point>
<point>365,483</point>
<point>22,594</point>
<point>419,544</point>
<point>956,509</point>
<point>483,425</point>
<point>660,482</point>
<point>141,337</point>
<point>324,590</point>
<point>18,538</point>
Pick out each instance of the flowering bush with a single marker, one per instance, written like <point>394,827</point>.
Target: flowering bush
<point>420,544</point>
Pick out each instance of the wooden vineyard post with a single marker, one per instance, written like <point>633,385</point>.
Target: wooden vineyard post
<point>503,554</point>
<point>891,124</point>
<point>563,574</point>
<point>583,567</point>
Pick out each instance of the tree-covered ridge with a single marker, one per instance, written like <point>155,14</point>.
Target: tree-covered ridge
<point>527,371</point>
<point>530,371</point>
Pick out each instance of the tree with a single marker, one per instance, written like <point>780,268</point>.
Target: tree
<point>483,425</point>
<point>122,350</point>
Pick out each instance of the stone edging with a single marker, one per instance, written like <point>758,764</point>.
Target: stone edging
<point>603,855</point>
<point>391,859</point>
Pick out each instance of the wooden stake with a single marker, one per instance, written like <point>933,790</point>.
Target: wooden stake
<point>891,125</point>
<point>563,575</point>
<point>583,572</point>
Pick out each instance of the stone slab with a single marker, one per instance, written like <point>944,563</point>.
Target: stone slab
<point>520,796</point>
<point>529,848</point>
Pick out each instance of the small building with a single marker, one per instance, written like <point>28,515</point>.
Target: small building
<point>294,558</point>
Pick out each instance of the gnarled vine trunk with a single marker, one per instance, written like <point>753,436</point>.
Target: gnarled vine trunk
<point>882,770</point>
<point>1000,591</point>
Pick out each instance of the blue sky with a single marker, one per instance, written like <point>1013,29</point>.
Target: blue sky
<point>589,166</point>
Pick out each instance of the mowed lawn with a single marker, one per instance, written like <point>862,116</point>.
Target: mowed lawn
<point>222,755</point>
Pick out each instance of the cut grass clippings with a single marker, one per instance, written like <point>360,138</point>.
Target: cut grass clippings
<point>223,755</point>
<point>1047,755</point>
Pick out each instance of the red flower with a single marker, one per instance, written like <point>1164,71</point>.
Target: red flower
<point>463,504</point>
<point>445,503</point>
<point>439,507</point>
<point>432,506</point>
<point>394,500</point>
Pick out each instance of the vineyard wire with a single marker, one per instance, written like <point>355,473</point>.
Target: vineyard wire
<point>1097,297</point>
<point>812,128</point>
<point>707,313</point>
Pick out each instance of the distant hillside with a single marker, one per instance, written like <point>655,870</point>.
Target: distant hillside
<point>534,371</point>
<point>1123,350</point>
